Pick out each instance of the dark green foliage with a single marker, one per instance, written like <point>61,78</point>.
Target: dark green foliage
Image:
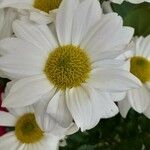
<point>116,133</point>
<point>136,16</point>
<point>3,82</point>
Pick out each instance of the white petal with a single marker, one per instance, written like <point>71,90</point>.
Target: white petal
<point>36,146</point>
<point>102,55</point>
<point>124,107</point>
<point>91,14</point>
<point>49,125</point>
<point>23,4</point>
<point>9,142</point>
<point>139,99</point>
<point>50,142</point>
<point>15,64</point>
<point>21,147</point>
<point>40,18</point>
<point>113,80</point>
<point>51,121</point>
<point>143,46</point>
<point>80,106</point>
<point>46,121</point>
<point>41,111</point>
<point>39,35</point>
<point>64,20</point>
<point>112,63</point>
<point>88,106</point>
<point>23,64</point>
<point>117,1</point>
<point>72,129</point>
<point>17,45</point>
<point>100,29</point>
<point>99,40</point>
<point>28,147</point>
<point>21,111</point>
<point>130,49</point>
<point>103,105</point>
<point>41,106</point>
<point>118,96</point>
<point>57,108</point>
<point>6,119</point>
<point>27,91</point>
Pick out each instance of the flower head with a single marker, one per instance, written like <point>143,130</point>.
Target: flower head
<point>46,5</point>
<point>73,70</point>
<point>28,132</point>
<point>41,5</point>
<point>139,99</point>
<point>40,11</point>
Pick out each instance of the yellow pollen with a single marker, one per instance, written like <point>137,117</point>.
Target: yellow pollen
<point>140,67</point>
<point>27,130</point>
<point>67,66</point>
<point>46,5</point>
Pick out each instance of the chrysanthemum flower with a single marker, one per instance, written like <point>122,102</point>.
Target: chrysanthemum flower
<point>74,69</point>
<point>139,99</point>
<point>42,11</point>
<point>28,134</point>
<point>42,5</point>
<point>131,1</point>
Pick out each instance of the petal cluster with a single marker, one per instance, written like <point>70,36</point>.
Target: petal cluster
<point>139,99</point>
<point>82,103</point>
<point>68,67</point>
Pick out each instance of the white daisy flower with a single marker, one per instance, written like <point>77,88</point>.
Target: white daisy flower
<point>32,130</point>
<point>27,133</point>
<point>74,71</point>
<point>40,5</point>
<point>41,11</point>
<point>7,16</point>
<point>131,1</point>
<point>139,99</point>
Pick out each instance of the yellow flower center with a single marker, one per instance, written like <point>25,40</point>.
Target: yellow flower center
<point>27,130</point>
<point>67,66</point>
<point>46,5</point>
<point>140,67</point>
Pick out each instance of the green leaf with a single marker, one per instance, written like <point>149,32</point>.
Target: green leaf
<point>136,16</point>
<point>139,19</point>
<point>124,8</point>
